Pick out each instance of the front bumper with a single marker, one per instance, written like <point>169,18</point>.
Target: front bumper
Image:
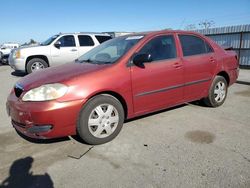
<point>49,119</point>
<point>17,64</point>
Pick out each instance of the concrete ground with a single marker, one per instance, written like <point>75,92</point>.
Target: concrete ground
<point>187,146</point>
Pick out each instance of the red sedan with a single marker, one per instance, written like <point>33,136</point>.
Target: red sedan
<point>122,78</point>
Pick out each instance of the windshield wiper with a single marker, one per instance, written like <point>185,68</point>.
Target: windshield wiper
<point>95,61</point>
<point>104,62</point>
<point>86,61</point>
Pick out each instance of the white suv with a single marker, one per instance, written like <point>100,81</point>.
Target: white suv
<point>58,49</point>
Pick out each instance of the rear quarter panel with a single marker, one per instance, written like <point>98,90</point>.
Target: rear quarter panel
<point>227,61</point>
<point>231,65</point>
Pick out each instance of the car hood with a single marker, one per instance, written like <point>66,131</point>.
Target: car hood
<point>58,74</point>
<point>33,48</point>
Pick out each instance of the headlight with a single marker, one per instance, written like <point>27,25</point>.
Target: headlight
<point>17,54</point>
<point>46,92</point>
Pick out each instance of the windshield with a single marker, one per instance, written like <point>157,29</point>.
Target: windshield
<point>49,40</point>
<point>110,51</point>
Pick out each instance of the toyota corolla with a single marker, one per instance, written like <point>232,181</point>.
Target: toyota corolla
<point>122,78</point>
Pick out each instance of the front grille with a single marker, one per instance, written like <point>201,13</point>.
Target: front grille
<point>18,90</point>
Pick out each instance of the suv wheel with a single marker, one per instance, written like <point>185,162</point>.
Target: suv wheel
<point>36,64</point>
<point>100,119</point>
<point>217,92</point>
<point>1,55</point>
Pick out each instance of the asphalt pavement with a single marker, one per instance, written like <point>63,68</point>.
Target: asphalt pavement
<point>186,146</point>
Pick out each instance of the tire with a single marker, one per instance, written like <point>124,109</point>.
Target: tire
<point>100,120</point>
<point>36,64</point>
<point>1,55</point>
<point>217,92</point>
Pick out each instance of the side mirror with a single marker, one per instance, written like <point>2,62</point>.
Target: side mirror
<point>57,44</point>
<point>140,59</point>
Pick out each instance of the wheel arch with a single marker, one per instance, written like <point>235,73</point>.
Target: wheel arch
<point>225,75</point>
<point>116,95</point>
<point>43,57</point>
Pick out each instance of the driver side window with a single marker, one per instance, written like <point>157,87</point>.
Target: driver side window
<point>160,48</point>
<point>67,41</point>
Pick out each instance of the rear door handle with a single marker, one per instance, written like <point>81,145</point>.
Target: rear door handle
<point>177,65</point>
<point>212,59</point>
<point>73,50</point>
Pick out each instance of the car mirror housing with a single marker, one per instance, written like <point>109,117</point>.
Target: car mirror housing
<point>57,44</point>
<point>140,59</point>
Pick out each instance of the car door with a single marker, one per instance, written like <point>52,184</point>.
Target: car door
<point>86,43</point>
<point>67,52</point>
<point>199,63</point>
<point>158,83</point>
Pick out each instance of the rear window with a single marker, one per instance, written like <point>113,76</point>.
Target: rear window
<point>193,45</point>
<point>102,39</point>
<point>85,40</point>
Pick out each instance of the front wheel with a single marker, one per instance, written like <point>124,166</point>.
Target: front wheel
<point>217,92</point>
<point>36,64</point>
<point>100,120</point>
<point>1,55</point>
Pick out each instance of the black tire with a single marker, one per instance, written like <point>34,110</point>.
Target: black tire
<point>83,129</point>
<point>1,56</point>
<point>31,63</point>
<point>211,99</point>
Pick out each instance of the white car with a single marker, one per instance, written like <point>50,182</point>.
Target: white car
<point>57,50</point>
<point>6,48</point>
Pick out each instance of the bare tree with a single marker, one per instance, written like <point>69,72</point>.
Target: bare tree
<point>168,28</point>
<point>190,27</point>
<point>205,24</point>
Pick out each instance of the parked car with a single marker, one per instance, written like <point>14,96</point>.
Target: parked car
<point>5,50</point>
<point>58,49</point>
<point>121,79</point>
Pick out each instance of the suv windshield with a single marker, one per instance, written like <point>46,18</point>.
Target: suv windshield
<point>49,40</point>
<point>110,51</point>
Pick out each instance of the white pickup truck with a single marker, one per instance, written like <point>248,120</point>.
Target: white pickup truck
<point>58,49</point>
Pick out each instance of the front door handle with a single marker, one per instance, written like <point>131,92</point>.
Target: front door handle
<point>73,50</point>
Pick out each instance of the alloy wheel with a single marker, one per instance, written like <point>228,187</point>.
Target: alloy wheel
<point>220,91</point>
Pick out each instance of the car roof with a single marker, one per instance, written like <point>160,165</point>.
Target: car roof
<point>9,44</point>
<point>152,33</point>
<point>86,33</point>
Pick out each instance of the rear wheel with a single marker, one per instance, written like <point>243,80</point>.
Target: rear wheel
<point>217,92</point>
<point>100,120</point>
<point>36,64</point>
